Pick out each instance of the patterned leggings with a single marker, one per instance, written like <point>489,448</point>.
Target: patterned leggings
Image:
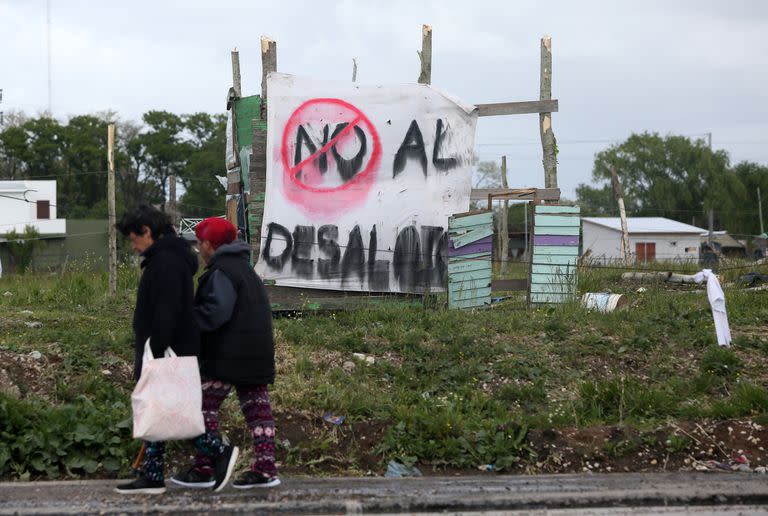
<point>254,402</point>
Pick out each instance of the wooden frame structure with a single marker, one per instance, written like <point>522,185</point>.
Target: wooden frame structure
<point>297,297</point>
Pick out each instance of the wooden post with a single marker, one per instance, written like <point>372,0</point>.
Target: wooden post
<point>234,184</point>
<point>172,198</point>
<point>760,210</point>
<point>258,172</point>
<point>548,142</point>
<point>111,209</point>
<point>425,76</point>
<point>268,64</point>
<point>504,220</point>
<point>354,69</point>
<point>236,84</point>
<point>618,195</point>
<point>711,228</point>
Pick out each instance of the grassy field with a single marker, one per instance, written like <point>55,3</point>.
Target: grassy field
<point>555,389</point>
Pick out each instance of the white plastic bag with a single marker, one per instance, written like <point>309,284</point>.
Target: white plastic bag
<point>168,399</point>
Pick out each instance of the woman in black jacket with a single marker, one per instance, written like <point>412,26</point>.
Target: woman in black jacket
<point>163,313</point>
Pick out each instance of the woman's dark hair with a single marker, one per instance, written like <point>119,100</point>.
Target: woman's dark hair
<point>159,223</point>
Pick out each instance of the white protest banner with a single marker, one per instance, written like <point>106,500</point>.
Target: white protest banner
<point>361,181</point>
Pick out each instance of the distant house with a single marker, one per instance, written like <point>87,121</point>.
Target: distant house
<point>29,203</point>
<point>650,239</point>
<point>724,244</point>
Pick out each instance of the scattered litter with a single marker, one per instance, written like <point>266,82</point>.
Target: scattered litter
<point>33,324</point>
<point>740,463</point>
<point>286,444</point>
<point>348,366</point>
<point>485,467</point>
<point>7,293</point>
<point>604,302</point>
<point>368,359</point>
<point>717,302</point>
<point>641,290</point>
<point>27,312</point>
<point>396,470</point>
<point>333,419</point>
<point>752,279</point>
<point>106,372</point>
<point>35,355</point>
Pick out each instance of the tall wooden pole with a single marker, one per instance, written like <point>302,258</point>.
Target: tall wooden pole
<point>548,142</point>
<point>425,56</point>
<point>258,171</point>
<point>624,251</point>
<point>172,198</point>
<point>504,219</point>
<point>234,184</point>
<point>354,69</point>
<point>760,210</point>
<point>111,209</point>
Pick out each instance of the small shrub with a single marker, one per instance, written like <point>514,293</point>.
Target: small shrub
<point>721,362</point>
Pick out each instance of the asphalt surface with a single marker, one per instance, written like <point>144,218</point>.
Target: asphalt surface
<point>621,494</point>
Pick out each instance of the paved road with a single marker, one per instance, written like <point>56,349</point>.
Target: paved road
<point>622,494</point>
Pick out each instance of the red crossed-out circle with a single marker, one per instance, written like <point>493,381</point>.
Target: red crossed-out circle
<point>305,189</point>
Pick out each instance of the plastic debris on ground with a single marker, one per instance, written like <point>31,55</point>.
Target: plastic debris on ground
<point>333,419</point>
<point>397,470</point>
<point>740,463</point>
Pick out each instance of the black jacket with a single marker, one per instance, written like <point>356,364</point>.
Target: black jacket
<point>164,301</point>
<point>235,320</point>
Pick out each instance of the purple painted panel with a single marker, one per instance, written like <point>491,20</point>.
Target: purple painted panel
<point>471,249</point>
<point>556,240</point>
<point>486,240</point>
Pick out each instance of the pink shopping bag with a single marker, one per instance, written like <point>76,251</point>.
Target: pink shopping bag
<point>168,399</point>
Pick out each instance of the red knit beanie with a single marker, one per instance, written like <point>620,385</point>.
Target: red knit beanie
<point>216,230</point>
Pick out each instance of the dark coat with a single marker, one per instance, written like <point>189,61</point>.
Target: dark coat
<point>235,320</point>
<point>164,301</point>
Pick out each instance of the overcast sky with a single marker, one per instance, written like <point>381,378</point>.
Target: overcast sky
<point>688,68</point>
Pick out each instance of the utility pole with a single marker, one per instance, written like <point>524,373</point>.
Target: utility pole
<point>760,210</point>
<point>504,219</point>
<point>172,198</point>
<point>711,211</point>
<point>234,185</point>
<point>618,195</point>
<point>548,141</point>
<point>111,209</point>
<point>48,39</point>
<point>1,101</point>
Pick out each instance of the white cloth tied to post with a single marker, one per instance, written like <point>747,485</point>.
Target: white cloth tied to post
<point>167,401</point>
<point>717,302</point>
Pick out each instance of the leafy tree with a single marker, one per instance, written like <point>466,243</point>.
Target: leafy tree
<point>162,147</point>
<point>13,152</point>
<point>84,182</point>
<point>204,195</point>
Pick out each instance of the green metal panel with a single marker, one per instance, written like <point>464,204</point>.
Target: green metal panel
<point>556,288</point>
<point>476,264</point>
<point>472,236</point>
<point>246,110</point>
<point>556,230</point>
<point>555,250</point>
<point>546,208</point>
<point>469,275</point>
<point>462,295</point>
<point>549,298</point>
<point>554,269</point>
<point>554,260</point>
<point>557,220</point>
<point>472,303</point>
<point>475,288</point>
<point>470,220</point>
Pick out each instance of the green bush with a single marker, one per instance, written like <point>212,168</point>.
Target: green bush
<point>39,440</point>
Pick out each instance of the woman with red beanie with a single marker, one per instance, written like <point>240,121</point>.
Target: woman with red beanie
<point>235,320</point>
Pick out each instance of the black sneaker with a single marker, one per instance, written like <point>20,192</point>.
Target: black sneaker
<point>251,479</point>
<point>142,485</point>
<point>224,465</point>
<point>193,478</point>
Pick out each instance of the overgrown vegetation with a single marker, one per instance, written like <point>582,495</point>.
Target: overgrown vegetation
<point>442,389</point>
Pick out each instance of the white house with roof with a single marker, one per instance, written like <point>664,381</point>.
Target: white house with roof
<point>29,203</point>
<point>650,239</point>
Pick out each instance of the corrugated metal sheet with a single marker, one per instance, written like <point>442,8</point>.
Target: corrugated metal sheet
<point>555,253</point>
<point>470,240</point>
